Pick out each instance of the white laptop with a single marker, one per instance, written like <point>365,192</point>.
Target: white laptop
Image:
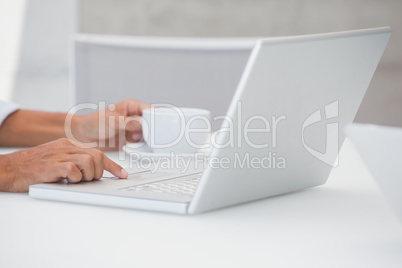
<point>380,147</point>
<point>294,96</point>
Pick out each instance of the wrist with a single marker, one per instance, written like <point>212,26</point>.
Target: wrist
<point>74,128</point>
<point>6,178</point>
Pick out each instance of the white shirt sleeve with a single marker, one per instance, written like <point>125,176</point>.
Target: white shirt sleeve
<point>6,108</point>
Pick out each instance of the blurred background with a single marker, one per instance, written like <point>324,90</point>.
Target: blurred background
<point>34,38</point>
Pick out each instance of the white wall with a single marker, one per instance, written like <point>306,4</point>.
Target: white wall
<point>240,17</point>
<point>40,79</point>
<point>11,24</point>
<point>264,18</point>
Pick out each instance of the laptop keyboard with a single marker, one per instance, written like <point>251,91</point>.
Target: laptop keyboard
<point>184,187</point>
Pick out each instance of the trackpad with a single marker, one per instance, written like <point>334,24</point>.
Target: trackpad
<point>150,176</point>
<point>145,176</point>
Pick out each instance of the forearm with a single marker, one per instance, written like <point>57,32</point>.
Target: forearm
<point>30,128</point>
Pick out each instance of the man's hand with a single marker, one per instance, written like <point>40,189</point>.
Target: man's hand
<point>111,128</point>
<point>53,162</point>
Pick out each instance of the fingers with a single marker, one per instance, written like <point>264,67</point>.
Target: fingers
<point>132,123</point>
<point>114,168</point>
<point>98,162</point>
<point>132,128</point>
<point>131,111</point>
<point>132,107</point>
<point>143,106</point>
<point>133,136</point>
<point>71,172</point>
<point>137,107</point>
<point>55,161</point>
<point>91,163</point>
<point>86,164</point>
<point>86,167</point>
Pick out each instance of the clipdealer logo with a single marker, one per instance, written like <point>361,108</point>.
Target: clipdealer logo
<point>332,134</point>
<point>267,127</point>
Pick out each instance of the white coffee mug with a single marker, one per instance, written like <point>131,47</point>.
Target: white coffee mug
<point>168,129</point>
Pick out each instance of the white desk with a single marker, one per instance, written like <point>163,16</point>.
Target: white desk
<point>345,223</point>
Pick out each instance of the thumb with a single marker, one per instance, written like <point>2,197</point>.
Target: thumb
<point>132,124</point>
<point>114,168</point>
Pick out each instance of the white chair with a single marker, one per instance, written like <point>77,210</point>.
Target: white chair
<point>187,72</point>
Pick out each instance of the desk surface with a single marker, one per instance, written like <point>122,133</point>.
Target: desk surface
<point>344,223</point>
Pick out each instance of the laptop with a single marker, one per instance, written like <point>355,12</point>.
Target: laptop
<point>281,134</point>
<point>380,148</point>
